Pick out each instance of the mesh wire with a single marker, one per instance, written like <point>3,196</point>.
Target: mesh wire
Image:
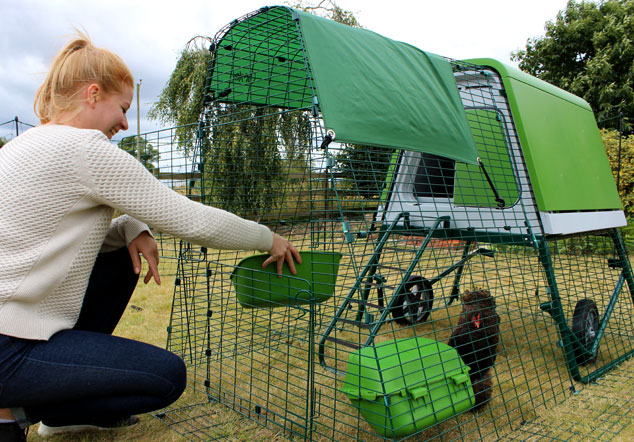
<point>416,233</point>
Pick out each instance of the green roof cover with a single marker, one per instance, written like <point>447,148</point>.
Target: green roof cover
<point>373,90</point>
<point>562,146</point>
<point>370,90</point>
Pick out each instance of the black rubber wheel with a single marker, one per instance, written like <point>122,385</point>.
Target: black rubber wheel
<point>414,303</point>
<point>585,324</point>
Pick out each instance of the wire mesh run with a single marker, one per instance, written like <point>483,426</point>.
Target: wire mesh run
<point>431,302</point>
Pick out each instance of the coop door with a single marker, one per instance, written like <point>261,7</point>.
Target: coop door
<point>471,186</point>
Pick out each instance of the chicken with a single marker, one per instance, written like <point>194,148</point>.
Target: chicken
<point>476,339</point>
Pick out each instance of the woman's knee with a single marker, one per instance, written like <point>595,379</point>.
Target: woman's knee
<point>176,372</point>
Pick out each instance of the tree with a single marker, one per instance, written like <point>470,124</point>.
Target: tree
<point>3,141</point>
<point>147,154</point>
<point>181,100</point>
<point>621,155</point>
<point>589,51</point>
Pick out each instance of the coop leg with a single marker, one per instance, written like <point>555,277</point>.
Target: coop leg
<point>370,270</point>
<point>555,309</point>
<point>365,293</point>
<point>571,344</point>
<point>626,276</point>
<point>410,269</point>
<point>623,261</point>
<point>312,400</point>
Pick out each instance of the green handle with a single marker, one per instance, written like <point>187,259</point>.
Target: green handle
<point>460,378</point>
<point>418,392</point>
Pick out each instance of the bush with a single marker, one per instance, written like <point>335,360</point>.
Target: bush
<point>624,177</point>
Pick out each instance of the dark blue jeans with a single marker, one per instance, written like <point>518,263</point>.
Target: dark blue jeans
<point>85,375</point>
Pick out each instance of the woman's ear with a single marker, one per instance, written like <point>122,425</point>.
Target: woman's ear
<point>92,94</point>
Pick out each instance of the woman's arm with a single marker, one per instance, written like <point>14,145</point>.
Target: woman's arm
<point>118,180</point>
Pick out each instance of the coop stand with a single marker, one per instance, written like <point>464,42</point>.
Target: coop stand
<point>574,350</point>
<point>369,278</point>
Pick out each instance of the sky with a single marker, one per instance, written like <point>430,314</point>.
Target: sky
<point>149,35</point>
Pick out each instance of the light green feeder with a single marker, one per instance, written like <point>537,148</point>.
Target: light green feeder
<point>314,281</point>
<point>403,386</point>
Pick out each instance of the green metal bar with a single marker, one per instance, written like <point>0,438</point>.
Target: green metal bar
<point>500,238</point>
<point>377,325</point>
<point>626,276</point>
<point>456,282</point>
<point>311,372</point>
<point>370,268</point>
<point>365,293</point>
<point>468,234</point>
<point>555,309</point>
<point>604,320</point>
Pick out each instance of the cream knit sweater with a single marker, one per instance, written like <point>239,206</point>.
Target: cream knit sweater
<point>59,187</point>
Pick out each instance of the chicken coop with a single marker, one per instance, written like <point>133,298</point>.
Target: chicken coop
<point>462,264</point>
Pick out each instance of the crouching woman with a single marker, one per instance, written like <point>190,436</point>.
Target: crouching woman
<point>67,270</point>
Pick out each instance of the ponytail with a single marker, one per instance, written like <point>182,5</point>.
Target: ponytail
<point>78,64</point>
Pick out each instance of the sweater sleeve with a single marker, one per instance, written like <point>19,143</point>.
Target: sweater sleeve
<point>117,179</point>
<point>123,230</point>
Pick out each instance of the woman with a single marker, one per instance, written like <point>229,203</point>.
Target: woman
<point>67,270</point>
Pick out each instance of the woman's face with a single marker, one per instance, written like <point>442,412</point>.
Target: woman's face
<point>110,115</point>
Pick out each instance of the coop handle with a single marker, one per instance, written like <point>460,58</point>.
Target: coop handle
<point>418,392</point>
<point>460,379</point>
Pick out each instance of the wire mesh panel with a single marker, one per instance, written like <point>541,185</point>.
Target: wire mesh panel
<point>430,302</point>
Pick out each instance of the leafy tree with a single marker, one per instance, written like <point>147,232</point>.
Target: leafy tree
<point>3,141</point>
<point>623,167</point>
<point>364,169</point>
<point>147,154</point>
<point>243,168</point>
<point>181,100</point>
<point>589,51</point>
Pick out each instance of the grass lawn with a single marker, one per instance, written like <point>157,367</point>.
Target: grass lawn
<point>599,412</point>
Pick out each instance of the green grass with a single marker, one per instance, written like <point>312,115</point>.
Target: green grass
<point>598,412</point>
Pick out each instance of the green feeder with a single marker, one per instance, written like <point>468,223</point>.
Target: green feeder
<point>403,386</point>
<point>258,287</point>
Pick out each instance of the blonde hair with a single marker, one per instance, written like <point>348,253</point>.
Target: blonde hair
<point>78,64</point>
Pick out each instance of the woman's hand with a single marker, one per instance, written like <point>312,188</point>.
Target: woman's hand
<point>281,251</point>
<point>145,245</point>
